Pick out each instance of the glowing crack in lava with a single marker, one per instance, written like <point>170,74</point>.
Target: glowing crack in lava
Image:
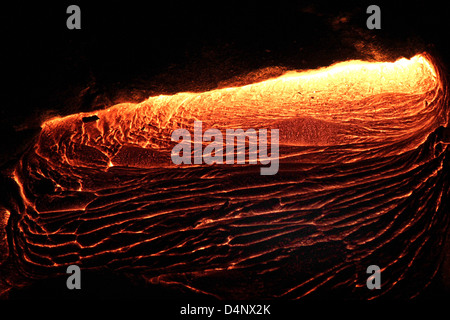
<point>363,180</point>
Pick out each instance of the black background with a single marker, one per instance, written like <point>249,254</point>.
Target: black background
<point>129,50</point>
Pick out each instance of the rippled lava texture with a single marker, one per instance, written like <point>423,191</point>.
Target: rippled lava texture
<point>363,180</point>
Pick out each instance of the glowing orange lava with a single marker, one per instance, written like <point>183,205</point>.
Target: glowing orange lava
<point>340,104</point>
<point>363,179</point>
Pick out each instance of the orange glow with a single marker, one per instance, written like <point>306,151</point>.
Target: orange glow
<point>363,179</point>
<point>341,104</point>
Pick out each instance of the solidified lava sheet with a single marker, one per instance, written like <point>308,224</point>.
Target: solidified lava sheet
<point>363,179</point>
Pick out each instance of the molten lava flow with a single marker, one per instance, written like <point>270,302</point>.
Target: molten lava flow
<point>348,103</point>
<point>363,180</point>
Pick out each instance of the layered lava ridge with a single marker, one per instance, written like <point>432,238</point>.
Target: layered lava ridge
<point>363,179</point>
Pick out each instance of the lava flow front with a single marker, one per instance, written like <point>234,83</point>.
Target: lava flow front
<point>363,179</point>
